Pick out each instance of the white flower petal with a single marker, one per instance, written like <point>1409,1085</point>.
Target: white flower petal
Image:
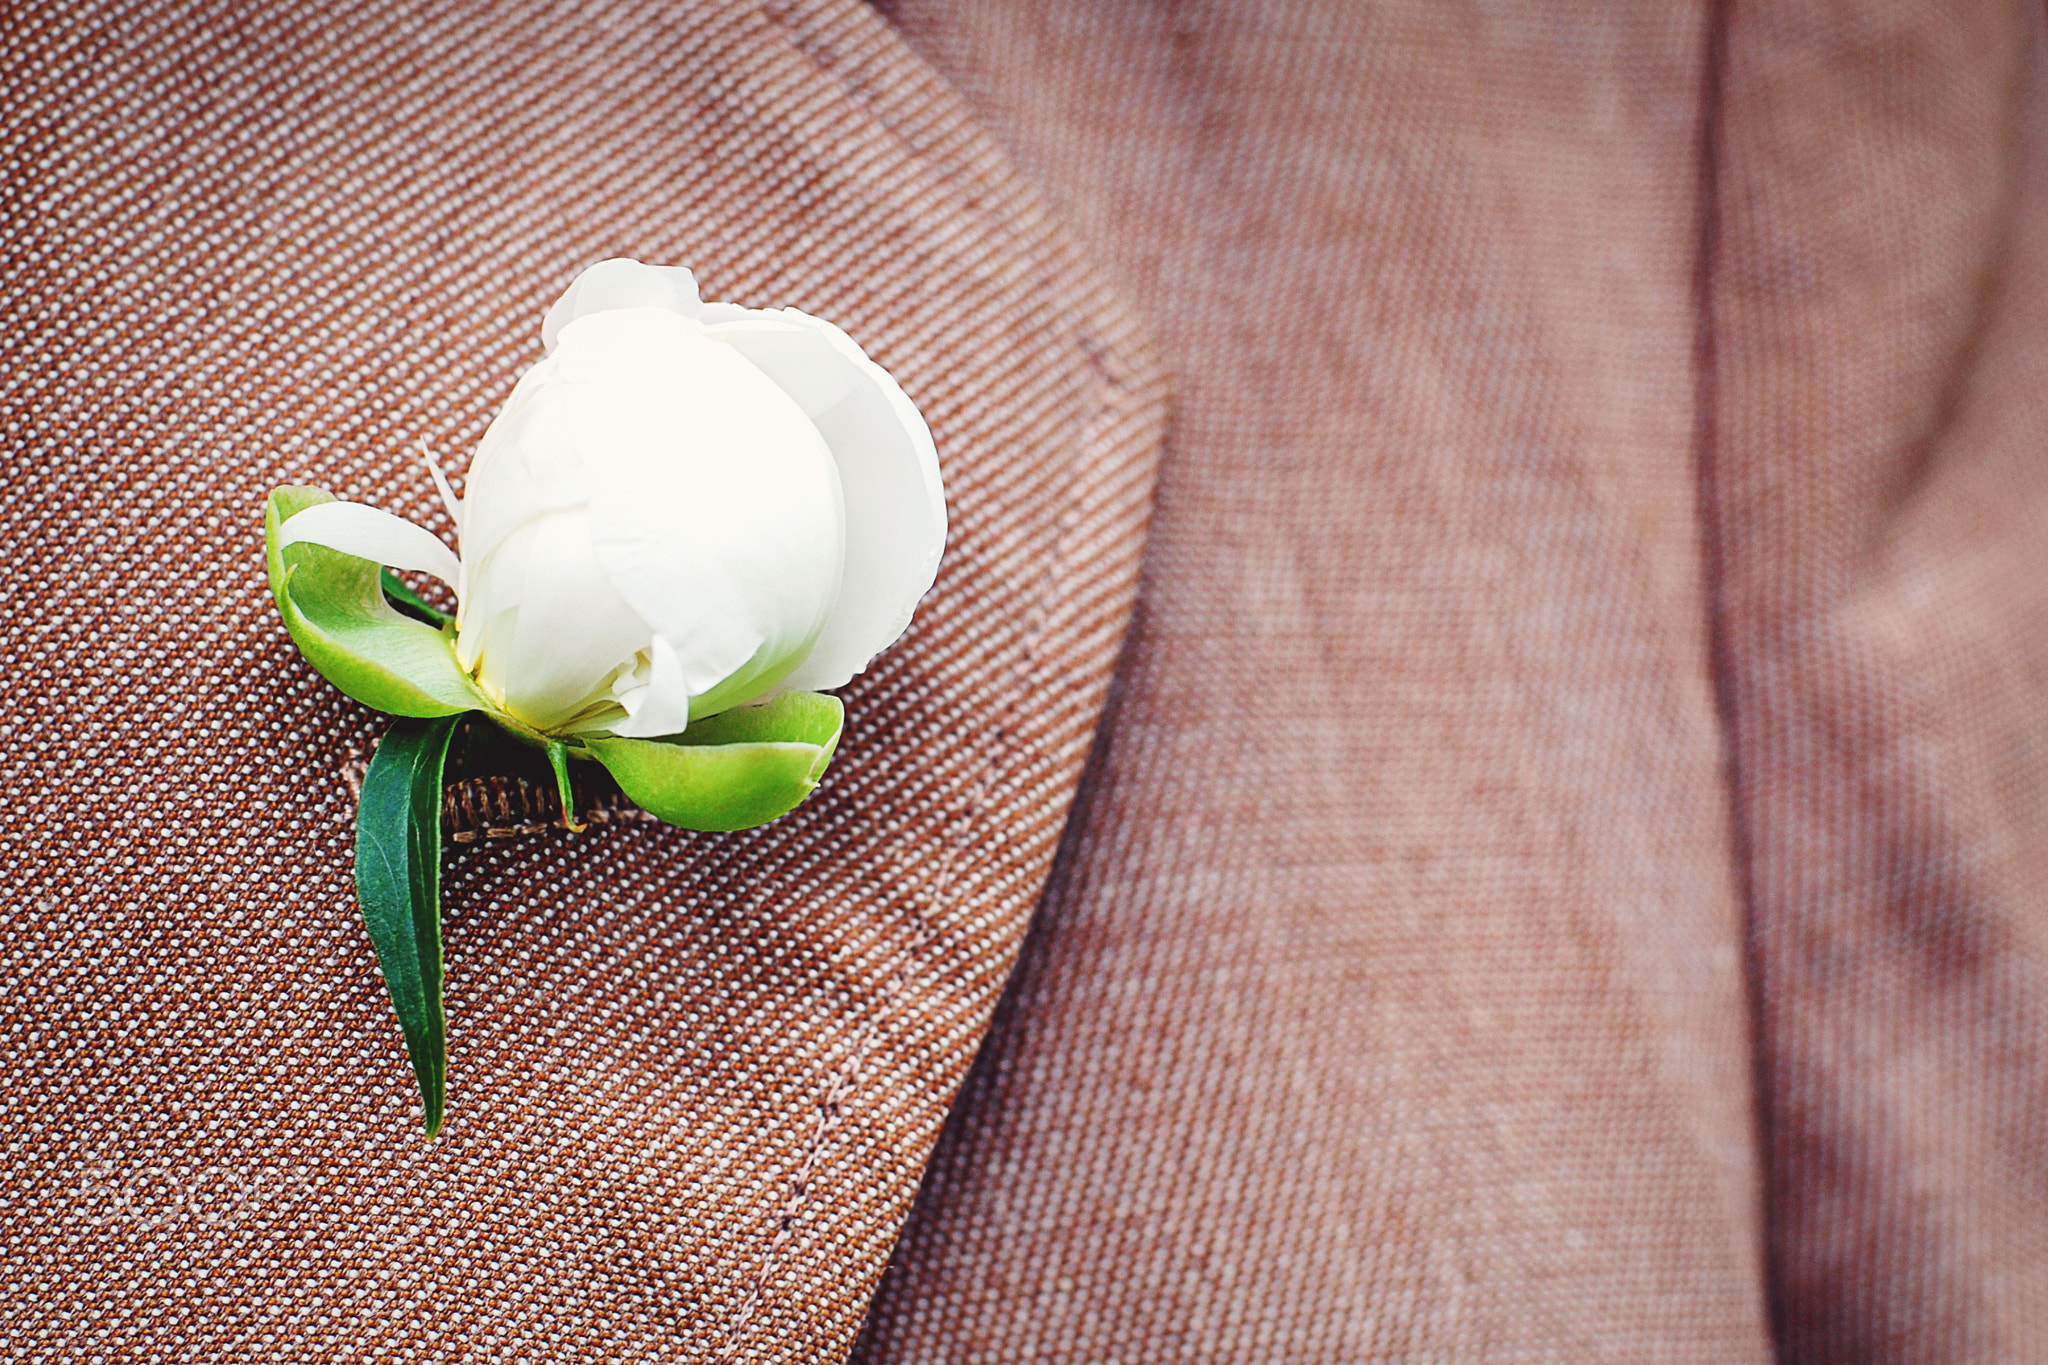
<point>487,635</point>
<point>716,506</point>
<point>372,533</point>
<point>662,705</point>
<point>527,462</point>
<point>621,282</point>
<point>448,498</point>
<point>888,473</point>
<point>494,586</point>
<point>572,630</point>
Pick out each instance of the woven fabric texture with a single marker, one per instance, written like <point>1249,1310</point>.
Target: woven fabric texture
<point>1563,874</point>
<point>694,1077</point>
<point>1880,448</point>
<point>1389,1001</point>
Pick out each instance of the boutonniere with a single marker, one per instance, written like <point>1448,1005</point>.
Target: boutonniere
<point>690,521</point>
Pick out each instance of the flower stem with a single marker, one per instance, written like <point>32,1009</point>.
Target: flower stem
<point>558,758</point>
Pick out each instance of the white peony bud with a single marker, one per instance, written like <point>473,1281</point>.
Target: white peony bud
<point>683,508</point>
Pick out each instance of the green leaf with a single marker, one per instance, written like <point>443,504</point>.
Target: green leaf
<point>400,595</point>
<point>333,604</point>
<point>398,885</point>
<point>734,770</point>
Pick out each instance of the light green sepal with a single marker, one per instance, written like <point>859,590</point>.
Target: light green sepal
<point>333,604</point>
<point>734,770</point>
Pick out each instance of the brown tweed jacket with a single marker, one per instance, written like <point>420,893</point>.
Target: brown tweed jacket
<point>1562,874</point>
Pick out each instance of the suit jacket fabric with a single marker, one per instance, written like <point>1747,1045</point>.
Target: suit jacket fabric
<point>1559,875</point>
<point>1608,478</point>
<point>694,1077</point>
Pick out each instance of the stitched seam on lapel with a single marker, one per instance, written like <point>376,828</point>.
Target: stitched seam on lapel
<point>831,1106</point>
<point>1121,396</point>
<point>1113,404</point>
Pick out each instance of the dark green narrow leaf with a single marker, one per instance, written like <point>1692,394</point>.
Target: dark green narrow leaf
<point>400,595</point>
<point>398,883</point>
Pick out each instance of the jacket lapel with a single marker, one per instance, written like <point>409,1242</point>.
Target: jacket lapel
<point>694,1078</point>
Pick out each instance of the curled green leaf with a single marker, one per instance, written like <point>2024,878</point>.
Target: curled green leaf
<point>335,607</point>
<point>400,595</point>
<point>735,770</point>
